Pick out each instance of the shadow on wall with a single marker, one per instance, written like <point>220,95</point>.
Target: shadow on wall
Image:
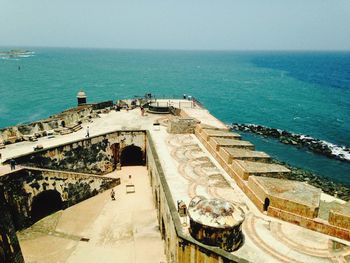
<point>2,255</point>
<point>46,203</point>
<point>132,155</point>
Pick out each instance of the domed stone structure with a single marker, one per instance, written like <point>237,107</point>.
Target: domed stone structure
<point>216,222</point>
<point>81,97</point>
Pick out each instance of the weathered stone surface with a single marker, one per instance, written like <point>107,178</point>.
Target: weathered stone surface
<point>340,216</point>
<point>181,125</point>
<point>22,186</point>
<point>39,128</point>
<point>230,154</point>
<point>207,133</point>
<point>247,168</point>
<point>217,143</point>
<point>295,197</point>
<point>92,155</point>
<point>10,251</point>
<point>216,222</point>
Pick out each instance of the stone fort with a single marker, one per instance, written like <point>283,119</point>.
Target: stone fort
<point>213,197</point>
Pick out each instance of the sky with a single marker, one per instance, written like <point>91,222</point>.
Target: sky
<point>177,24</point>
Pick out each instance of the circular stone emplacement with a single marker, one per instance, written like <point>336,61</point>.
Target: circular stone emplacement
<point>216,222</point>
<point>159,108</point>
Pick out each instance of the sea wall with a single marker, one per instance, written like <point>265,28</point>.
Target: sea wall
<point>98,154</point>
<point>22,186</point>
<point>179,247</point>
<point>10,251</point>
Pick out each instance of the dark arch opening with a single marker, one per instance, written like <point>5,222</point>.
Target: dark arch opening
<point>46,203</point>
<point>131,155</point>
<point>266,204</point>
<point>63,123</point>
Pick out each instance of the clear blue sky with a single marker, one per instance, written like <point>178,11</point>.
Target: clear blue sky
<point>178,24</point>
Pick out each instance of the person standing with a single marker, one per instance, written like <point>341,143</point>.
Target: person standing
<point>13,164</point>
<point>87,132</point>
<point>112,195</point>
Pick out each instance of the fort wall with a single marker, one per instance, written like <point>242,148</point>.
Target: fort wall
<point>282,203</point>
<point>340,217</point>
<point>298,214</point>
<point>10,251</point>
<point>41,128</point>
<point>22,186</point>
<point>91,155</point>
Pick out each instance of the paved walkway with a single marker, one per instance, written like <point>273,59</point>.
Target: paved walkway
<point>99,229</point>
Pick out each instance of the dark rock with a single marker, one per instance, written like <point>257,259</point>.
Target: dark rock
<point>297,140</point>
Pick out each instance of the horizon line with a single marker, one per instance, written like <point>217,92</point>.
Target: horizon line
<point>180,49</point>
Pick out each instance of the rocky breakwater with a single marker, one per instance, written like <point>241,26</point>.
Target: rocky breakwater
<point>299,140</point>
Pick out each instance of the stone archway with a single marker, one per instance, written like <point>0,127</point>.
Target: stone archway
<point>131,155</point>
<point>45,203</point>
<point>266,204</point>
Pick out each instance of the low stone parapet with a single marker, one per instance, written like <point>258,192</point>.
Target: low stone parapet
<point>229,154</point>
<point>217,143</point>
<point>247,168</point>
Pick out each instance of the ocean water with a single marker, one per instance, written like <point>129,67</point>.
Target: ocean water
<point>302,92</point>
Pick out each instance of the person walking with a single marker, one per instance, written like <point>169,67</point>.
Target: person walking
<point>87,132</point>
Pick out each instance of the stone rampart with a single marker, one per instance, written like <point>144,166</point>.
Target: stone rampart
<point>22,186</point>
<point>282,203</point>
<point>40,128</point>
<point>95,155</point>
<point>255,195</point>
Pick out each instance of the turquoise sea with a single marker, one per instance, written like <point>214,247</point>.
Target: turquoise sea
<point>302,92</point>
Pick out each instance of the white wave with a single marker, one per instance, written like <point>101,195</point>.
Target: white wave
<point>306,137</point>
<point>339,151</point>
<point>25,56</point>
